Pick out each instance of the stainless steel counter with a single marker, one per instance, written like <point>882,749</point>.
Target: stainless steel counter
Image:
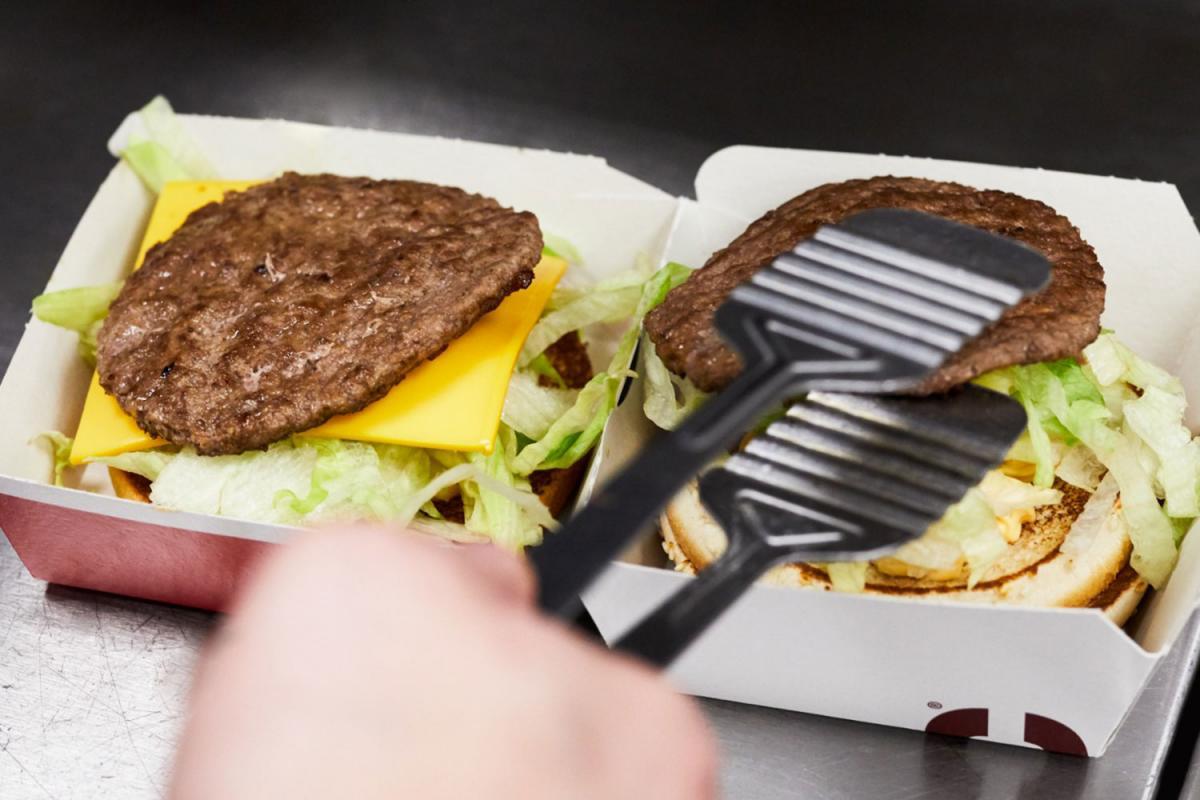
<point>92,689</point>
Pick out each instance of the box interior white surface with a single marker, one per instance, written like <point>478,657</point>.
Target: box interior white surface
<point>821,652</point>
<point>612,219</point>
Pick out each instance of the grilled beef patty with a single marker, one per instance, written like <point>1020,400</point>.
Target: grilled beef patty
<point>303,298</point>
<point>1057,322</point>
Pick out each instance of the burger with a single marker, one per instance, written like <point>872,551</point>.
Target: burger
<point>248,363</point>
<point>1090,505</point>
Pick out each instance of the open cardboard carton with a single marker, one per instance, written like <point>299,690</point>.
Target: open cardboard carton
<point>83,535</point>
<point>1058,679</point>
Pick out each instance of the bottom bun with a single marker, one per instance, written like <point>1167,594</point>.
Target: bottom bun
<point>129,486</point>
<point>1034,571</point>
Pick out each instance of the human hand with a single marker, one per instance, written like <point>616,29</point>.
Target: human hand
<point>374,664</point>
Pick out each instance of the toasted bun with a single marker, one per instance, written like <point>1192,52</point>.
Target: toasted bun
<point>129,486</point>
<point>555,487</point>
<point>1035,571</point>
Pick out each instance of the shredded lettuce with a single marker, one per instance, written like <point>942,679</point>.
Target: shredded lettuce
<point>1122,414</point>
<point>347,481</point>
<point>308,479</point>
<point>147,463</point>
<point>81,310</point>
<point>169,154</point>
<point>153,164</point>
<point>505,507</point>
<point>1004,495</point>
<point>668,398</point>
<point>971,524</point>
<point>298,480</point>
<point>530,409</point>
<point>60,447</point>
<point>246,485</point>
<point>930,556</point>
<point>1079,467</point>
<point>559,247</point>
<point>612,301</point>
<point>969,534</point>
<point>847,576</point>
<point>575,433</point>
<point>1112,362</point>
<point>1043,389</point>
<point>1157,419</point>
<point>541,366</point>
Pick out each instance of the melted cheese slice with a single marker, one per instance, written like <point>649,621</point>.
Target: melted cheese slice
<point>452,402</point>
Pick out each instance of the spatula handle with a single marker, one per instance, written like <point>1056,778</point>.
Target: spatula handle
<point>668,630</point>
<point>568,560</point>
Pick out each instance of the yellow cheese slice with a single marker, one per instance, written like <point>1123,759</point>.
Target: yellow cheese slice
<point>451,403</point>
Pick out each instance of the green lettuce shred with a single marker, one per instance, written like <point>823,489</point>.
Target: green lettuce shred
<point>575,433</point>
<point>541,366</point>
<point>530,409</point>
<point>147,463</point>
<point>847,576</point>
<point>1128,414</point>
<point>81,310</point>
<point>558,247</point>
<point>668,399</point>
<point>971,524</point>
<point>169,153</point>
<point>308,479</point>
<point>612,301</point>
<point>60,446</point>
<point>499,510</point>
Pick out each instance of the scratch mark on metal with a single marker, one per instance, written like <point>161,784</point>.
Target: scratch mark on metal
<point>117,696</point>
<point>4,749</point>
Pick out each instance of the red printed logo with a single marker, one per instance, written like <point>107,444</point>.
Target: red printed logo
<point>1048,734</point>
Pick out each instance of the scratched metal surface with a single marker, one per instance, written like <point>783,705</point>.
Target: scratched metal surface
<point>93,687</point>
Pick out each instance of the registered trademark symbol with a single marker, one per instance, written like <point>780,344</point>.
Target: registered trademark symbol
<point>934,704</point>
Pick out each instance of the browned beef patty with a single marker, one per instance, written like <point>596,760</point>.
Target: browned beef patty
<point>303,298</point>
<point>1057,322</point>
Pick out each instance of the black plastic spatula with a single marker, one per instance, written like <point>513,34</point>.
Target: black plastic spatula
<point>840,478</point>
<point>871,305</point>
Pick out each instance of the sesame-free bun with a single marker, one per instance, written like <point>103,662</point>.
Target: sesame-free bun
<point>1034,571</point>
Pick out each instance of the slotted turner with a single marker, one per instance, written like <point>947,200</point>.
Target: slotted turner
<point>871,305</point>
<point>840,478</point>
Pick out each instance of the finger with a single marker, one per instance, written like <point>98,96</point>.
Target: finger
<point>391,559</point>
<point>505,574</point>
<point>694,749</point>
<point>497,572</point>
<point>659,739</point>
<point>642,735</point>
